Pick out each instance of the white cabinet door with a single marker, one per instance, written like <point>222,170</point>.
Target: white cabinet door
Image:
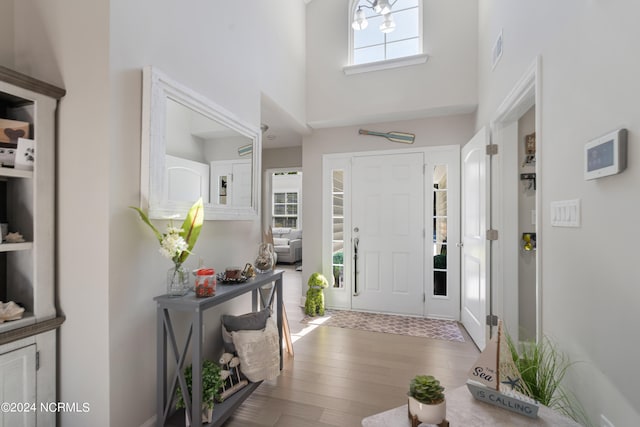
<point>18,387</point>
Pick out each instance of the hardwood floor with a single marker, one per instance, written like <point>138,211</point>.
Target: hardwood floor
<point>339,376</point>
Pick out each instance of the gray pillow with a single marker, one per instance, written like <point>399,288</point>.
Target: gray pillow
<point>247,322</point>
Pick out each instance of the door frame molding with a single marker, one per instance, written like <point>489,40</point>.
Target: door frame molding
<point>524,95</point>
<point>344,159</point>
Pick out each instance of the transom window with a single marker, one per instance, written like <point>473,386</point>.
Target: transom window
<point>384,37</point>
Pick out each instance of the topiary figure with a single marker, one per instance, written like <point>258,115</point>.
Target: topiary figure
<point>315,295</point>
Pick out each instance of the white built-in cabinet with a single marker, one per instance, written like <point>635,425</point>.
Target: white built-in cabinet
<point>27,270</point>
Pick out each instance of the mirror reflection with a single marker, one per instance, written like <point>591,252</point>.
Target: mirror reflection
<point>191,148</point>
<point>206,158</point>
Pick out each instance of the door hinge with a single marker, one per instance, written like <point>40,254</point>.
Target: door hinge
<point>492,320</point>
<point>492,149</point>
<point>37,360</point>
<point>424,297</point>
<point>492,234</point>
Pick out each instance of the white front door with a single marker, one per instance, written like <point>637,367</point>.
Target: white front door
<point>475,283</point>
<point>388,232</point>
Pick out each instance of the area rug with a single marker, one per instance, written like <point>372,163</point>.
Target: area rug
<point>447,330</point>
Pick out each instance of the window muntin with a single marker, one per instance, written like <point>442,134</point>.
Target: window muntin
<point>285,209</point>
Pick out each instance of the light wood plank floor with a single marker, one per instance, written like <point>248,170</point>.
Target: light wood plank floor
<point>339,376</point>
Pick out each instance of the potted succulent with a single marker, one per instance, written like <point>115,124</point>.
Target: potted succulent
<point>211,385</point>
<point>426,399</point>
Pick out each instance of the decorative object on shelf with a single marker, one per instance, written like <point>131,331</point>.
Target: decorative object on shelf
<point>528,241</point>
<point>426,401</point>
<point>25,154</point>
<point>232,273</point>
<point>529,149</point>
<point>176,244</point>
<point>211,386</point>
<point>266,258</point>
<point>393,136</point>
<point>14,237</point>
<point>314,303</point>
<point>11,130</point>
<point>10,311</point>
<point>495,379</point>
<point>249,271</point>
<point>205,282</point>
<point>8,154</point>
<point>230,374</point>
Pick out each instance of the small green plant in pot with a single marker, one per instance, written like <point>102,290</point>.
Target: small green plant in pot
<point>426,399</point>
<point>211,385</point>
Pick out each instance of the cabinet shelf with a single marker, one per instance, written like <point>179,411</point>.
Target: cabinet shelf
<point>27,319</point>
<point>12,247</point>
<point>15,173</point>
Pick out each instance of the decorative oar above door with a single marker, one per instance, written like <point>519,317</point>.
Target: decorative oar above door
<point>405,138</point>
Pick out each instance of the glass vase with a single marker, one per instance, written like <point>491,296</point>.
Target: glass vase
<point>177,281</point>
<point>266,258</point>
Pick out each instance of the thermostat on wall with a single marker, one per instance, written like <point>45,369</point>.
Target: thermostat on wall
<point>606,155</point>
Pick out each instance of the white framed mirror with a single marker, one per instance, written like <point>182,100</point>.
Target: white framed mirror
<point>193,147</point>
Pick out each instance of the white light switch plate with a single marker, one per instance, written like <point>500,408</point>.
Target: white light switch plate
<point>565,213</point>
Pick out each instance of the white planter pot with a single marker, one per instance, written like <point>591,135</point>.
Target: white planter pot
<point>428,414</point>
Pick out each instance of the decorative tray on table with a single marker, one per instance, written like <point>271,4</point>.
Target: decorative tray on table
<point>230,281</point>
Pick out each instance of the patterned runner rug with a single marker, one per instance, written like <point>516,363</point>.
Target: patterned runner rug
<point>391,324</point>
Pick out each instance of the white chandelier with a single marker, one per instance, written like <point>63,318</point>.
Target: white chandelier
<point>382,7</point>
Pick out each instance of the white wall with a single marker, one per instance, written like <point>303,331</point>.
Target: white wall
<point>446,82</point>
<point>589,87</point>
<point>108,264</point>
<point>451,130</point>
<point>289,157</point>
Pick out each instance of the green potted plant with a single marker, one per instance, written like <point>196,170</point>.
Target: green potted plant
<point>426,399</point>
<point>211,385</point>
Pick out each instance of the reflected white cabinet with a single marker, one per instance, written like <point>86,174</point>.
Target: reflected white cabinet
<point>231,183</point>
<point>27,269</point>
<point>187,180</point>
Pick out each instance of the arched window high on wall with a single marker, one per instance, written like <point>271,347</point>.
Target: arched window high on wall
<point>378,36</point>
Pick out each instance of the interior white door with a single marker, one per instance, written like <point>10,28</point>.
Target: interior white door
<point>475,170</point>
<point>388,230</point>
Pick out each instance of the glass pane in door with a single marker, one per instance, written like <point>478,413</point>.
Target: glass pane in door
<point>440,215</point>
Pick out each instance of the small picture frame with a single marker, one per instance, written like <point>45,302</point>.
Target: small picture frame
<point>606,155</point>
<point>530,144</point>
<point>25,154</point>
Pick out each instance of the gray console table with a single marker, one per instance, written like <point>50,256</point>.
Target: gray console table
<point>166,335</point>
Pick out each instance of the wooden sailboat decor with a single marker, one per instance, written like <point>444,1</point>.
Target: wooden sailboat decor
<point>406,138</point>
<point>494,379</point>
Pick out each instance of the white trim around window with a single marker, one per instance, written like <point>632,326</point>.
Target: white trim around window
<point>386,65</point>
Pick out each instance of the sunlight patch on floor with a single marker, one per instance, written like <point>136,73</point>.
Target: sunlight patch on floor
<point>313,324</point>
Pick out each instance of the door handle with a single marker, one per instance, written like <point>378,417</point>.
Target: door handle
<point>460,245</point>
<point>356,242</point>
